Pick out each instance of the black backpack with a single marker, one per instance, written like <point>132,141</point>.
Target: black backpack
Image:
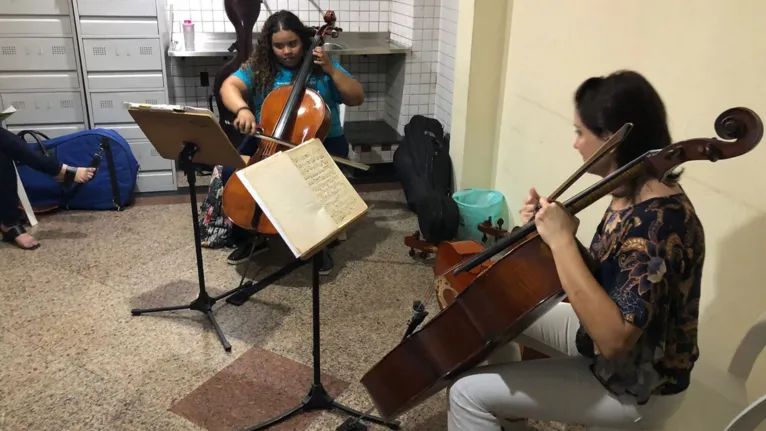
<point>424,167</point>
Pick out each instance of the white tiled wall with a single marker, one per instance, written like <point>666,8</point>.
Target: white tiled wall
<point>353,15</point>
<point>445,69</point>
<point>414,91</point>
<point>185,88</point>
<point>396,87</point>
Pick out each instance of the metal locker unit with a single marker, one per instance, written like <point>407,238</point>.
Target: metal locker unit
<point>50,131</point>
<point>40,72</point>
<point>36,7</point>
<point>108,55</point>
<point>124,45</point>
<point>37,53</point>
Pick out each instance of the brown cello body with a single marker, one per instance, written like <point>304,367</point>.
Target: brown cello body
<point>490,311</point>
<point>523,284</point>
<point>450,254</point>
<point>313,121</point>
<point>291,113</point>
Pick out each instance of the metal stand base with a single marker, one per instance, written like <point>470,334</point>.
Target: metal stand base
<point>318,398</point>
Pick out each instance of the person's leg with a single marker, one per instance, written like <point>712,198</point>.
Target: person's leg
<point>553,334</point>
<point>10,214</point>
<point>561,388</point>
<point>241,238</point>
<point>17,150</point>
<point>14,149</point>
<point>556,389</point>
<point>337,146</point>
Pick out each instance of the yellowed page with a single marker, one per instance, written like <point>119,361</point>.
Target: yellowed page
<point>285,197</point>
<point>326,180</point>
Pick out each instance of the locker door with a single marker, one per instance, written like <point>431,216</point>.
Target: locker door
<point>110,108</point>
<point>51,131</point>
<point>57,26</point>
<point>118,27</point>
<point>124,81</point>
<point>35,7</point>
<point>39,81</point>
<point>44,108</point>
<point>117,7</point>
<point>37,53</point>
<point>148,157</point>
<point>155,181</point>
<point>103,55</point>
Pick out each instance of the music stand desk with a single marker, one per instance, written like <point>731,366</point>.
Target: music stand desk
<point>189,137</point>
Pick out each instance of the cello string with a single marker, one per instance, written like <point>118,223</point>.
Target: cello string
<point>268,138</point>
<point>607,148</point>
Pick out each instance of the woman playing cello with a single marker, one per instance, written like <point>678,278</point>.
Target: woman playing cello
<point>283,43</point>
<point>624,346</point>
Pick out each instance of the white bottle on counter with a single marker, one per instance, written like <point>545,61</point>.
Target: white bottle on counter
<point>188,29</point>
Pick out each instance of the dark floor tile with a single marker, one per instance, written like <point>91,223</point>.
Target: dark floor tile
<point>255,387</point>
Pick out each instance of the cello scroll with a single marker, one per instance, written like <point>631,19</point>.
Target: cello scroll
<point>740,124</point>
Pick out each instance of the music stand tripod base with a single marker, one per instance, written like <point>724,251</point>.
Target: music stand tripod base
<point>318,398</point>
<point>204,302</point>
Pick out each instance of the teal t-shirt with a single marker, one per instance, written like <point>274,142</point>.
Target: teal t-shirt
<point>324,86</point>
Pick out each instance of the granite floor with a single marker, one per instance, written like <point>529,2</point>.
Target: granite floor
<point>74,358</point>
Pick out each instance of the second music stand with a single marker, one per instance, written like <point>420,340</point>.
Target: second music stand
<point>189,136</point>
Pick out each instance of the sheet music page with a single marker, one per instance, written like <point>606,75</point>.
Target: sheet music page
<point>281,191</point>
<point>327,181</point>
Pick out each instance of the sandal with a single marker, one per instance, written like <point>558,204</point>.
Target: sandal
<point>13,232</point>
<point>70,174</point>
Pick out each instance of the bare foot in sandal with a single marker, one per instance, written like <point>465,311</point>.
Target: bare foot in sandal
<point>18,235</point>
<point>69,174</point>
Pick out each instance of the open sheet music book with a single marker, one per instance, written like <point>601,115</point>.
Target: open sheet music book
<point>305,196</point>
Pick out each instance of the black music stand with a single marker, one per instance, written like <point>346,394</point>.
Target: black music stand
<point>313,242</point>
<point>318,398</point>
<point>189,137</point>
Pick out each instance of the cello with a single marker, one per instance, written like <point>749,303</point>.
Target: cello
<point>522,284</point>
<point>292,114</point>
<point>243,14</point>
<point>450,254</point>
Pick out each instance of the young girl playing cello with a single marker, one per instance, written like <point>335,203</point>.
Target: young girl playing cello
<point>277,57</point>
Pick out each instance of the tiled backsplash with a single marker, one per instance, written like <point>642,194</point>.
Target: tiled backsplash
<point>186,89</point>
<point>445,69</point>
<point>353,15</point>
<point>395,87</point>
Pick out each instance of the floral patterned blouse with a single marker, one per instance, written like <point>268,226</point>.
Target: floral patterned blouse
<point>651,258</point>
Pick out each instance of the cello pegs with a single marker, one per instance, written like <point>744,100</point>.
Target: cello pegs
<point>423,255</point>
<point>712,153</point>
<point>412,252</point>
<point>500,223</point>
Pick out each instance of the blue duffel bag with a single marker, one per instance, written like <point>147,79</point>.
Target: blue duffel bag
<point>111,188</point>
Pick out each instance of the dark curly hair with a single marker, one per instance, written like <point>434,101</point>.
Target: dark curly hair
<point>263,62</point>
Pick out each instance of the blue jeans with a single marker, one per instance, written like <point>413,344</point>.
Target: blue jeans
<point>337,146</point>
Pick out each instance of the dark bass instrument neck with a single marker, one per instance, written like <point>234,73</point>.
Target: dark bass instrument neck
<point>243,14</point>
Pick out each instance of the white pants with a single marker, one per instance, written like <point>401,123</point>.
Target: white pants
<point>561,388</point>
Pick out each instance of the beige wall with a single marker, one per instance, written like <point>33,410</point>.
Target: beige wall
<point>702,62</point>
